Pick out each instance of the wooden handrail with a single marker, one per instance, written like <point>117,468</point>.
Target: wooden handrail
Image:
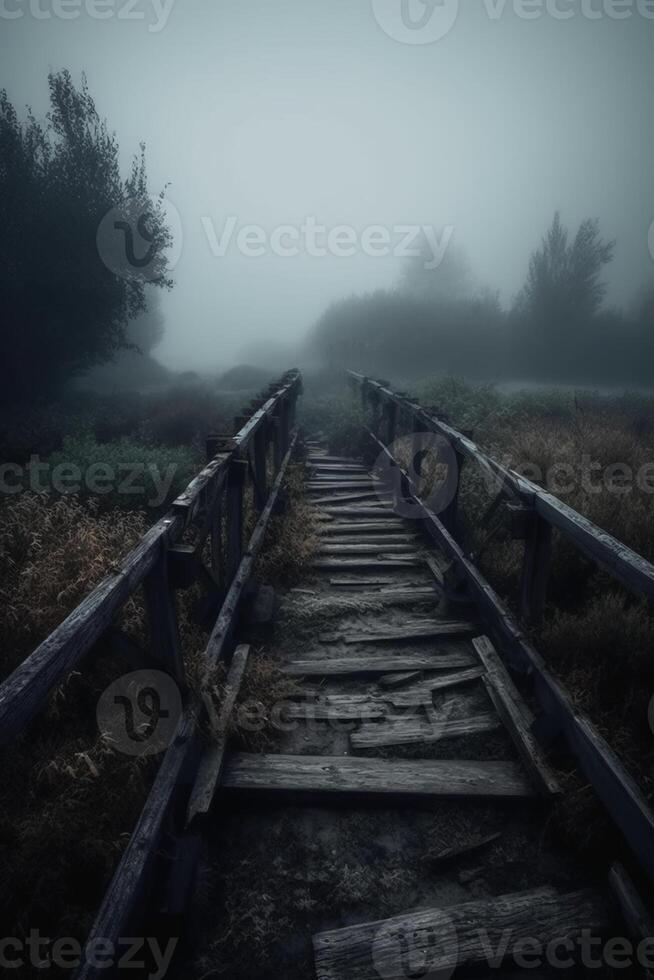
<point>24,692</point>
<point>621,562</point>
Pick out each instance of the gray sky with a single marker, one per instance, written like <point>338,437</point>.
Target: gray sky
<point>275,111</point>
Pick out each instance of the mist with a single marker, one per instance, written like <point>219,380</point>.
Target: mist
<point>272,114</point>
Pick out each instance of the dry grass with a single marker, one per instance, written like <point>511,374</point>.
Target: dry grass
<point>291,539</point>
<point>52,553</point>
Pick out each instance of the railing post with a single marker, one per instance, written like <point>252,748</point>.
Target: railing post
<point>161,610</point>
<point>259,460</point>
<point>234,516</point>
<point>449,515</point>
<point>535,568</point>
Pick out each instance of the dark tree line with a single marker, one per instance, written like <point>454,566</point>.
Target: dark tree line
<point>62,308</point>
<point>557,329</point>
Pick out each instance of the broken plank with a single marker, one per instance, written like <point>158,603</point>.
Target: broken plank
<point>515,716</point>
<point>461,937</point>
<point>422,693</point>
<point>391,681</point>
<point>213,758</point>
<point>378,664</point>
<point>353,709</point>
<point>461,850</point>
<point>423,778</point>
<point>406,731</point>
<point>408,633</point>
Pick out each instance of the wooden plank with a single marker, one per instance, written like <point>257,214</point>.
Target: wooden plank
<point>213,758</point>
<point>347,498</point>
<point>388,548</point>
<point>380,541</point>
<point>341,564</point>
<point>401,731</point>
<point>337,468</point>
<point>637,917</point>
<point>515,716</point>
<point>351,527</point>
<point>459,937</point>
<point>350,709</point>
<point>423,693</point>
<point>378,664</point>
<point>408,633</point>
<point>471,846</point>
<point>320,486</point>
<point>384,513</point>
<point>424,778</point>
<point>391,681</point>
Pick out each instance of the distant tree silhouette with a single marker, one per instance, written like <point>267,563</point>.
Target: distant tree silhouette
<point>62,309</point>
<point>563,283</point>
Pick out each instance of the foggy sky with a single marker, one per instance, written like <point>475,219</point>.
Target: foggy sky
<point>273,111</point>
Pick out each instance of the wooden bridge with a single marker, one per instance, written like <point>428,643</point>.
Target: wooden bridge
<point>428,658</point>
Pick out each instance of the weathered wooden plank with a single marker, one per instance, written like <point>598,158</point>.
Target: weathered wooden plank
<point>330,709</point>
<point>213,758</point>
<point>423,693</point>
<point>516,717</point>
<point>340,564</point>
<point>348,498</point>
<point>375,548</point>
<point>424,778</point>
<point>355,527</point>
<point>379,663</point>
<point>392,681</point>
<point>442,940</point>
<point>321,485</point>
<point>471,846</point>
<point>407,731</point>
<point>407,633</point>
<point>637,917</point>
<point>336,468</point>
<point>383,513</point>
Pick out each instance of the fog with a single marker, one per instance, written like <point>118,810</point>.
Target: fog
<point>272,112</point>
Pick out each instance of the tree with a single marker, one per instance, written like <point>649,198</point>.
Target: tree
<point>563,284</point>
<point>64,307</point>
<point>449,282</point>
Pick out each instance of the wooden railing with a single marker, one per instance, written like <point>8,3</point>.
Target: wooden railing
<point>211,507</point>
<point>534,513</point>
